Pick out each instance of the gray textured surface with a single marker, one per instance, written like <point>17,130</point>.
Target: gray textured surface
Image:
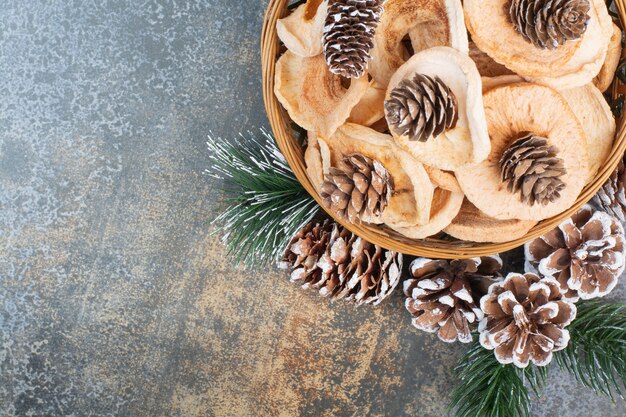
<point>114,300</point>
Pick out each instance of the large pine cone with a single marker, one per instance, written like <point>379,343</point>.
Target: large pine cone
<point>348,35</point>
<point>612,196</point>
<point>421,108</point>
<point>585,254</point>
<point>362,189</point>
<point>531,167</point>
<point>525,319</point>
<point>443,295</point>
<point>549,23</point>
<point>327,257</point>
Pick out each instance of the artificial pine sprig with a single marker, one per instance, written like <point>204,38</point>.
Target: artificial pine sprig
<point>266,204</point>
<point>488,388</point>
<point>596,354</point>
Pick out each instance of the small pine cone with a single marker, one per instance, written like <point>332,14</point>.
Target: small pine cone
<point>443,295</point>
<point>421,108</point>
<point>361,190</point>
<point>585,254</point>
<point>549,23</point>
<point>525,319</point>
<point>612,196</point>
<point>327,257</point>
<point>348,35</point>
<point>529,166</point>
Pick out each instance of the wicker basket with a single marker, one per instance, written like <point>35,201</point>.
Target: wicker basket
<point>381,235</point>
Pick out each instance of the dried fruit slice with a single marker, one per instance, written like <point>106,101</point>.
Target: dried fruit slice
<point>443,179</point>
<point>445,206</point>
<point>487,67</point>
<point>313,161</point>
<point>512,111</point>
<point>604,79</point>
<point>301,31</point>
<point>427,23</point>
<point>466,143</point>
<point>410,203</point>
<point>573,64</point>
<point>314,98</point>
<point>473,225</point>
<point>597,121</point>
<point>371,107</point>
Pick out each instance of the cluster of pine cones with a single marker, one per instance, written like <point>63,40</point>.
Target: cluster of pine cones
<point>522,317</point>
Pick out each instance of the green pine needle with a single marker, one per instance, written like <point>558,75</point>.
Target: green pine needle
<point>266,203</point>
<point>488,388</point>
<point>596,355</point>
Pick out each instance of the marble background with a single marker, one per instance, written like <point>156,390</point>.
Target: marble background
<point>115,300</point>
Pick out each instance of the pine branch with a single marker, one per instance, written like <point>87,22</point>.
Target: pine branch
<point>488,388</point>
<point>266,203</point>
<point>596,355</point>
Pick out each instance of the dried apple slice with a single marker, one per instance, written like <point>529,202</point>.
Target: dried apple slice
<point>314,98</point>
<point>371,107</point>
<point>512,111</point>
<point>467,142</point>
<point>313,161</point>
<point>487,67</point>
<point>412,191</point>
<point>597,120</point>
<point>473,225</point>
<point>445,206</point>
<point>607,72</point>
<point>443,179</point>
<point>572,64</point>
<point>301,31</point>
<point>427,23</point>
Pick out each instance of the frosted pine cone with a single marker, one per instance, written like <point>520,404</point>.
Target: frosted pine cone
<point>327,257</point>
<point>443,295</point>
<point>525,319</point>
<point>349,35</point>
<point>585,254</point>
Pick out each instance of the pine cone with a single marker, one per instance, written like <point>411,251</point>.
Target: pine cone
<point>531,167</point>
<point>443,295</point>
<point>525,319</point>
<point>549,23</point>
<point>348,35</point>
<point>421,107</point>
<point>327,257</point>
<point>363,188</point>
<point>585,254</point>
<point>612,196</point>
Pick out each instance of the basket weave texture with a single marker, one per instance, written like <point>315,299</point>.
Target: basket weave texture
<point>380,235</point>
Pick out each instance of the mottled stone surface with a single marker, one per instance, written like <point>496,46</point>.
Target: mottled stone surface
<point>114,298</point>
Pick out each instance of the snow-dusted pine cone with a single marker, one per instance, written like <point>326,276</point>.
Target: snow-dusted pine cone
<point>525,319</point>
<point>443,295</point>
<point>327,257</point>
<point>585,253</point>
<point>349,35</point>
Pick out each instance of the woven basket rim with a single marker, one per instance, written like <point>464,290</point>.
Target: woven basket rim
<point>280,124</point>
